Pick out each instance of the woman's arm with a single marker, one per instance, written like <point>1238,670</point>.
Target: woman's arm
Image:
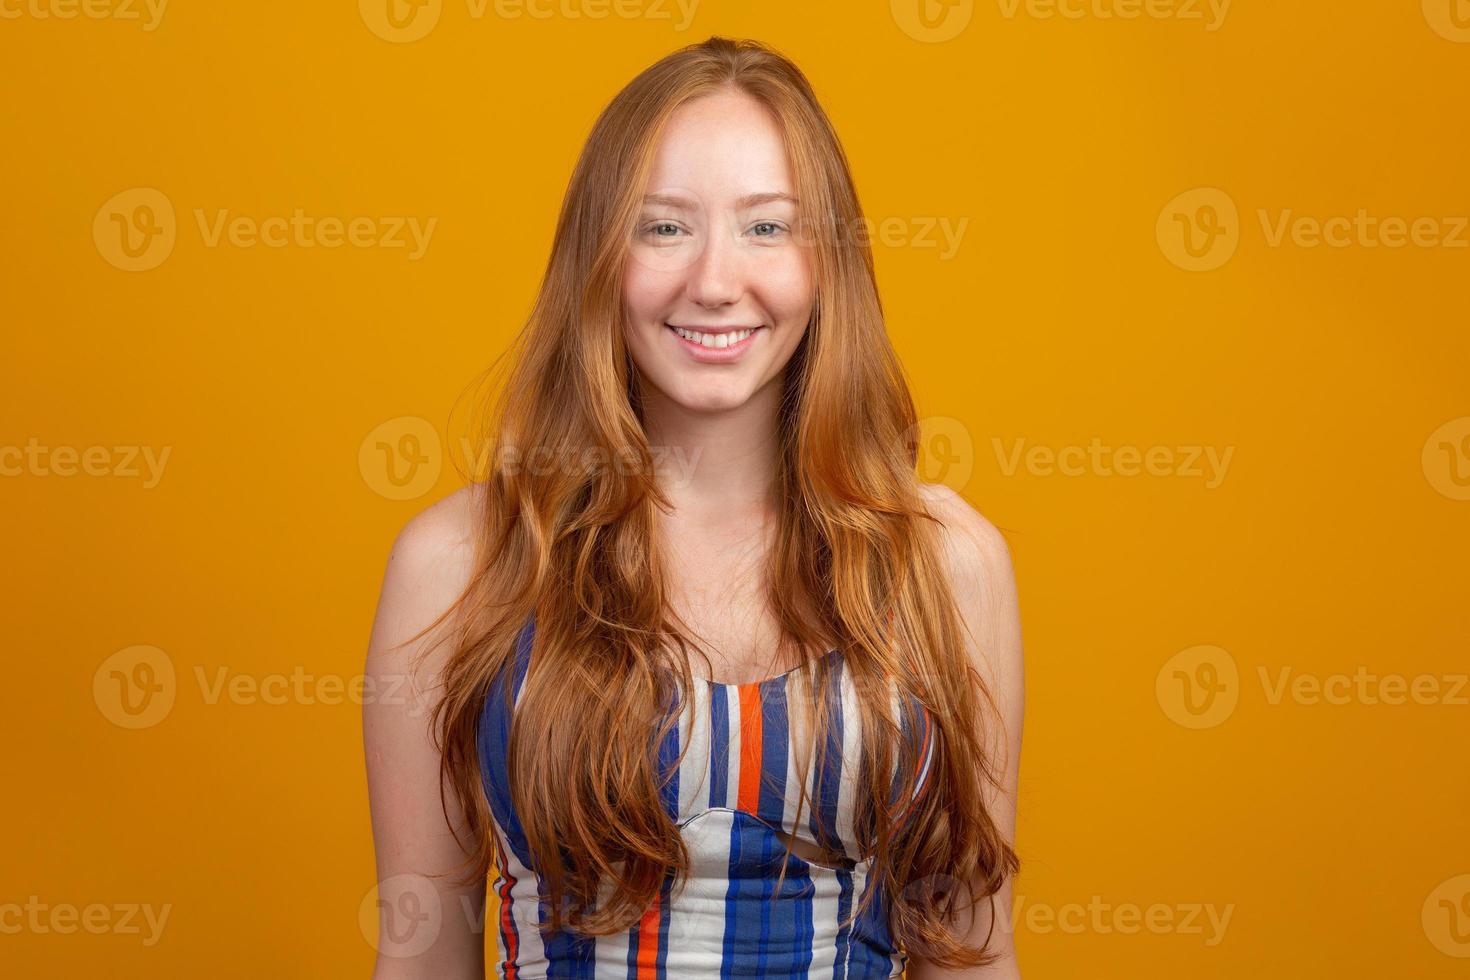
<point>428,927</point>
<point>985,590</point>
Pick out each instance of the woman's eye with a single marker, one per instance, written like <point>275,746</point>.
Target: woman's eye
<point>766,229</point>
<point>663,229</point>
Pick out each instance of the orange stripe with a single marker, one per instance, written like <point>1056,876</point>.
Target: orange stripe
<point>648,941</point>
<point>749,796</point>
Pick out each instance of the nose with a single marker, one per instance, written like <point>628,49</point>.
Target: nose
<point>715,278</point>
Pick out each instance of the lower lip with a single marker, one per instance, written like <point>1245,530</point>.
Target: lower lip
<point>715,355</point>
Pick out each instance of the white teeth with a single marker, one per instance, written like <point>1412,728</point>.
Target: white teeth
<point>715,340</point>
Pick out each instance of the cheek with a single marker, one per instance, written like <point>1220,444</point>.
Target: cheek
<point>786,286</point>
<point>646,292</point>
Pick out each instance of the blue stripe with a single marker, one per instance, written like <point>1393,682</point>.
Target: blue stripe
<point>823,818</point>
<point>872,954</point>
<point>668,762</point>
<point>775,734</point>
<point>493,743</point>
<point>798,877</point>
<point>633,936</point>
<point>844,934</point>
<point>733,920</point>
<point>719,738</point>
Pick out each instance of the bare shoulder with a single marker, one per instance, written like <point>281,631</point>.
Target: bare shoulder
<point>428,567</point>
<point>973,545</point>
<point>983,579</point>
<point>444,529</point>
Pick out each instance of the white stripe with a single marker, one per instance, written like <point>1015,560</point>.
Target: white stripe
<point>826,904</point>
<point>796,733</point>
<point>694,731</point>
<point>524,913</point>
<point>847,784</point>
<point>696,940</point>
<point>732,727</point>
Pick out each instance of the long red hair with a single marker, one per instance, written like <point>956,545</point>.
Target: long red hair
<point>572,543</point>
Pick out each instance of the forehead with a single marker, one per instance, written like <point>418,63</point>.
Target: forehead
<point>721,147</point>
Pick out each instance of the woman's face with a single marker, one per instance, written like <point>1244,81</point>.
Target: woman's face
<point>717,289</point>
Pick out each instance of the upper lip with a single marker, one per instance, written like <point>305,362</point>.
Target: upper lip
<point>715,329</point>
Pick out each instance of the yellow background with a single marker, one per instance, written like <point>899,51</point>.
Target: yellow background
<point>1336,540</point>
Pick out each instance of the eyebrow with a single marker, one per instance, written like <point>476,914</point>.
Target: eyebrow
<point>748,201</point>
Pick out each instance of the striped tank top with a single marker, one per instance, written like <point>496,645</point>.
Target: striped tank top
<point>738,783</point>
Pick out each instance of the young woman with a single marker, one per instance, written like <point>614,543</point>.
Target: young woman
<point>708,684</point>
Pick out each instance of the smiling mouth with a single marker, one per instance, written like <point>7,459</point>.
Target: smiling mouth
<point>715,339</point>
